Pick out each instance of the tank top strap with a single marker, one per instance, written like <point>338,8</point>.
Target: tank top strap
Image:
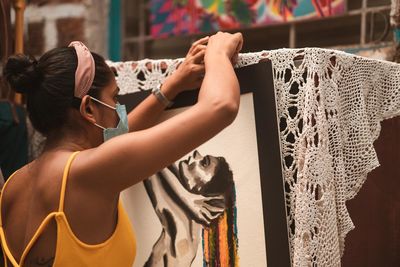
<point>64,180</point>
<point>37,234</point>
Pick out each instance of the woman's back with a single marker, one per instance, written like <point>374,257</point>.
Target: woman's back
<point>30,205</point>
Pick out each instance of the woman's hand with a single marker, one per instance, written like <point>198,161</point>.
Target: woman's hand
<point>190,73</point>
<point>226,44</point>
<point>202,209</point>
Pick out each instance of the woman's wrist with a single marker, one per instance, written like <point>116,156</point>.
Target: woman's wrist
<point>170,88</point>
<point>215,60</point>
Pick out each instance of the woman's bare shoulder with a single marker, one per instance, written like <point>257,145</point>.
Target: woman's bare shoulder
<point>40,177</point>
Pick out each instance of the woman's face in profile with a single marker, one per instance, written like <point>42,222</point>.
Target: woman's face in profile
<point>197,171</point>
<point>106,116</point>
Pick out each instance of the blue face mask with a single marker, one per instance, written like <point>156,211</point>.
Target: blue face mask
<point>122,126</point>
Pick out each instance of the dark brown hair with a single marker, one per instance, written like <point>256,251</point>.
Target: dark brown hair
<point>49,85</point>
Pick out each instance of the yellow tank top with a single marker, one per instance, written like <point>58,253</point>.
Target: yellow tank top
<point>119,250</point>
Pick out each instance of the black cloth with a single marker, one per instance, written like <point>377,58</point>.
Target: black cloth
<point>13,138</point>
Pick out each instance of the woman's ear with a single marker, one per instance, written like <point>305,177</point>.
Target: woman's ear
<point>87,109</point>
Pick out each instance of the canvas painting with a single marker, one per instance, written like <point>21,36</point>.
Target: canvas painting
<point>208,208</point>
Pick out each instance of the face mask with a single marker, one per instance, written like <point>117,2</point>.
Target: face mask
<point>122,126</point>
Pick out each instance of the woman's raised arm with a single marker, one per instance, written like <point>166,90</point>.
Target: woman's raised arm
<point>128,159</point>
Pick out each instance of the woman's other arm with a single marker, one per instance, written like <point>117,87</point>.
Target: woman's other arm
<point>188,76</point>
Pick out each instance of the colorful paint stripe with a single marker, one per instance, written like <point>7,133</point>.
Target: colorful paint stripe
<point>220,242</point>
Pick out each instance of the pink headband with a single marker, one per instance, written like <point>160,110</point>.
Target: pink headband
<point>84,73</point>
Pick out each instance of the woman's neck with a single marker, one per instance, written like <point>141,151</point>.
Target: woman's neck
<point>68,142</point>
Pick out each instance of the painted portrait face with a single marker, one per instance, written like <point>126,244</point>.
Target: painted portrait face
<point>197,171</point>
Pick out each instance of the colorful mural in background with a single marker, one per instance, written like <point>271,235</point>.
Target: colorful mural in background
<point>181,17</point>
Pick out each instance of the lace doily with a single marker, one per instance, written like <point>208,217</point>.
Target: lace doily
<point>330,105</point>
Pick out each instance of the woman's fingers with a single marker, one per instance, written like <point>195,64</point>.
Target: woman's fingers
<point>229,44</point>
<point>215,198</point>
<point>199,57</point>
<point>210,216</point>
<point>207,215</point>
<point>239,37</point>
<point>204,220</point>
<point>216,203</point>
<point>201,41</point>
<point>198,49</point>
<point>214,209</point>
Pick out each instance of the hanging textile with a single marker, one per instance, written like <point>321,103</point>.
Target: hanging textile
<point>330,105</point>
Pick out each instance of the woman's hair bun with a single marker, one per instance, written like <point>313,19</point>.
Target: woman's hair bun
<point>22,74</point>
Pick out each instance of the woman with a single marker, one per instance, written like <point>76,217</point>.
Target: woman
<point>186,195</point>
<point>64,212</point>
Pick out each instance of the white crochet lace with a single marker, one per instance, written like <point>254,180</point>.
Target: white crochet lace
<point>330,105</point>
